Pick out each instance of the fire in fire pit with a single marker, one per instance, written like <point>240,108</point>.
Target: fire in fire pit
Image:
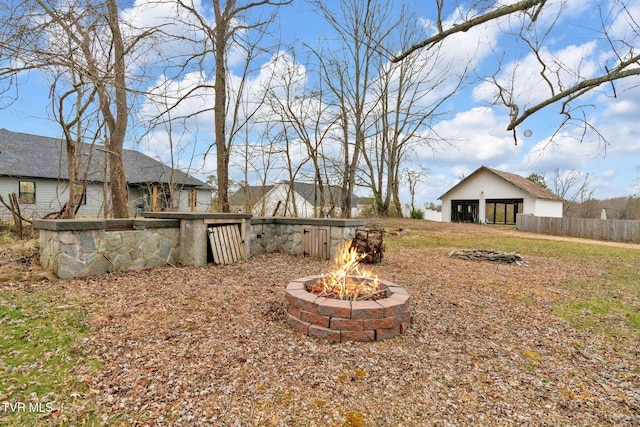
<point>348,304</point>
<point>348,280</point>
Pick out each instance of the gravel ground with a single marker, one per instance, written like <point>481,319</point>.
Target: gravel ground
<point>209,346</point>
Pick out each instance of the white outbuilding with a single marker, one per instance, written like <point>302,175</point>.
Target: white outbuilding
<point>496,197</point>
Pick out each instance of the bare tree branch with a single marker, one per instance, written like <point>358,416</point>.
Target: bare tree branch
<point>467,25</point>
<point>582,87</point>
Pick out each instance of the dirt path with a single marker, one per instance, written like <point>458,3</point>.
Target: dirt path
<point>476,229</point>
<point>529,235</point>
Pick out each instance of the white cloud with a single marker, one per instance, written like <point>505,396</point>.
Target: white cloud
<point>566,151</point>
<point>476,138</point>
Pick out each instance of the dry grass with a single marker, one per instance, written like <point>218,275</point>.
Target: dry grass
<point>209,346</point>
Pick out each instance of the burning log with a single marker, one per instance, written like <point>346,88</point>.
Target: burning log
<point>348,280</point>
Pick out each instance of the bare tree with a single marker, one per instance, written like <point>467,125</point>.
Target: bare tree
<point>305,120</point>
<point>621,62</point>
<point>83,38</point>
<point>573,186</point>
<point>231,20</point>
<point>349,72</point>
<point>413,178</point>
<point>409,96</point>
<point>79,137</point>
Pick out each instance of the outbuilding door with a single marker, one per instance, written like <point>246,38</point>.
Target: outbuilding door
<point>464,210</point>
<point>503,211</point>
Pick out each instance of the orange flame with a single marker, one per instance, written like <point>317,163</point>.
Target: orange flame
<point>349,280</point>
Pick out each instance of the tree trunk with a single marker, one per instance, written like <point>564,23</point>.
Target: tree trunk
<point>117,127</point>
<point>221,32</point>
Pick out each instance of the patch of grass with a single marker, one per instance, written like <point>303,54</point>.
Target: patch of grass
<point>493,239</point>
<point>609,304</point>
<point>44,368</point>
<point>609,317</point>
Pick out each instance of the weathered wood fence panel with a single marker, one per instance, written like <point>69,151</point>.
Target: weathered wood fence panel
<point>618,230</point>
<point>226,243</point>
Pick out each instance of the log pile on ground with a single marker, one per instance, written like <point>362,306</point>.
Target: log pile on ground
<point>488,255</point>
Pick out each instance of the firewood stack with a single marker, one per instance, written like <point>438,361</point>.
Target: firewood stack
<point>369,242</point>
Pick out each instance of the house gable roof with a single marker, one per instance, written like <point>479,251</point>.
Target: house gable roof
<point>249,194</point>
<point>522,183</point>
<point>308,192</point>
<point>33,156</point>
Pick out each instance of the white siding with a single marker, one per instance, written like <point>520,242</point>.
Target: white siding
<point>485,185</point>
<point>431,215</point>
<point>140,200</point>
<point>548,208</point>
<point>279,194</point>
<point>203,200</point>
<point>52,194</point>
<point>490,185</point>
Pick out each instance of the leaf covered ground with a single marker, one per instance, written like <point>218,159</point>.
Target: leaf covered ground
<point>488,346</point>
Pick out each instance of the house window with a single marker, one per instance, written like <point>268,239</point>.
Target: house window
<point>27,192</point>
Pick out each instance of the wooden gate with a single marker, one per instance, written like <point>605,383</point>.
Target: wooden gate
<point>315,242</point>
<point>226,243</point>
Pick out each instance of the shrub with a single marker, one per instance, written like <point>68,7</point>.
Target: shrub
<point>417,213</point>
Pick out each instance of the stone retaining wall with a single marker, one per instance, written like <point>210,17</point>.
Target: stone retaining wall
<point>77,248</point>
<point>80,247</point>
<point>287,234</point>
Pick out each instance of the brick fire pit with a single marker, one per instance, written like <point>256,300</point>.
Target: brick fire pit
<point>339,320</point>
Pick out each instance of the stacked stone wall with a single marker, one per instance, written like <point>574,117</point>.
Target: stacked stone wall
<point>76,248</point>
<point>73,250</point>
<point>286,234</point>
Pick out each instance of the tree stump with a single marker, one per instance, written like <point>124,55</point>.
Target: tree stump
<point>370,244</point>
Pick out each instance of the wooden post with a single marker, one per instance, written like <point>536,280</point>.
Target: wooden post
<point>17,216</point>
<point>154,198</point>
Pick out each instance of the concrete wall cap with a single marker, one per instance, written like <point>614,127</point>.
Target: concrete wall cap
<point>332,222</point>
<point>195,215</point>
<point>69,224</point>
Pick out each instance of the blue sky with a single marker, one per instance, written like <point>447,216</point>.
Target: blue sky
<point>474,127</point>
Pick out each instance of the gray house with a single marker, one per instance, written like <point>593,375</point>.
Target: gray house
<point>35,168</point>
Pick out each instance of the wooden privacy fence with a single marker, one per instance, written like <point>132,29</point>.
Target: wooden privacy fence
<point>618,230</point>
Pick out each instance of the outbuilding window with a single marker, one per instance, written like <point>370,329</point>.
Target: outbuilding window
<point>27,192</point>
